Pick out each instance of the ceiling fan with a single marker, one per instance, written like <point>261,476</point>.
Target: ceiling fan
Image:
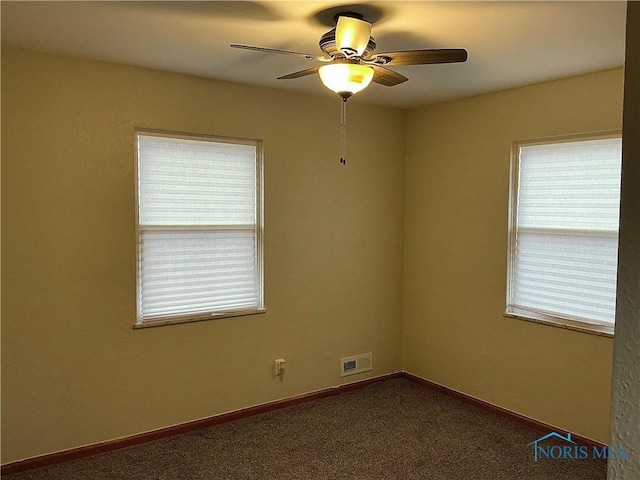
<point>349,63</point>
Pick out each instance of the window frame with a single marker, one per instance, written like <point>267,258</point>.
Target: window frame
<point>259,228</point>
<point>597,328</point>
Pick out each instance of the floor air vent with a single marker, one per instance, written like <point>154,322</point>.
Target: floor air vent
<point>356,364</point>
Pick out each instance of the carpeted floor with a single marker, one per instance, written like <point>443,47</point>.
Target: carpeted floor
<point>393,429</point>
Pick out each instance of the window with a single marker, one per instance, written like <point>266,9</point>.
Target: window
<point>563,250</point>
<point>199,202</point>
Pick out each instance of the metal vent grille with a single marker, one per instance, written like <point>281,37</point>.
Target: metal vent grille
<point>356,364</point>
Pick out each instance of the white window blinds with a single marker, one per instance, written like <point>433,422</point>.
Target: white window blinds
<point>199,219</point>
<point>565,241</point>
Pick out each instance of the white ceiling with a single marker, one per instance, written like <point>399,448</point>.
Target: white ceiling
<point>509,43</point>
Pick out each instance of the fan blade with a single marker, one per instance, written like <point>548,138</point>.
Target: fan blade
<point>387,77</point>
<point>352,36</point>
<point>308,56</point>
<point>420,57</point>
<point>301,73</point>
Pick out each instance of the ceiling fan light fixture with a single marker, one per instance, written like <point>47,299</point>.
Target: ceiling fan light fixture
<point>352,36</point>
<point>345,78</point>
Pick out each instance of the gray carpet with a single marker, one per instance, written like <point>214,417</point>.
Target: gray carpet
<point>393,429</point>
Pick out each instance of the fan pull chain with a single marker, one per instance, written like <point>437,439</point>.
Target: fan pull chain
<point>343,132</point>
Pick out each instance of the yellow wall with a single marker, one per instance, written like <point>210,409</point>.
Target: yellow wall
<point>74,372</point>
<point>457,177</point>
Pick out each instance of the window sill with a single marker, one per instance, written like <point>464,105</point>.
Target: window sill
<point>198,318</point>
<point>590,328</point>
